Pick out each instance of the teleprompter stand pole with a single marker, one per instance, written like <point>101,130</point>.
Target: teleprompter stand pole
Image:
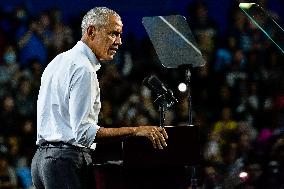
<point>189,99</point>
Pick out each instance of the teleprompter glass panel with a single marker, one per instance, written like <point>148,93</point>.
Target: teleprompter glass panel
<point>173,41</point>
<point>265,23</point>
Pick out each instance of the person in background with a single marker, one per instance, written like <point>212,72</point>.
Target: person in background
<point>8,177</point>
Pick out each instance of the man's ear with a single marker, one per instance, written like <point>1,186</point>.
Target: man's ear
<point>91,32</point>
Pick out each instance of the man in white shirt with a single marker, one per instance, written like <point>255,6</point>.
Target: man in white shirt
<point>69,103</point>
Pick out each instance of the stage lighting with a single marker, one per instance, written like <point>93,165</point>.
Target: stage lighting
<point>182,87</point>
<point>243,175</point>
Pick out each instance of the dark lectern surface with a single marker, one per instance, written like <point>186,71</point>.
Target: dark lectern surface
<point>144,167</point>
<point>182,150</point>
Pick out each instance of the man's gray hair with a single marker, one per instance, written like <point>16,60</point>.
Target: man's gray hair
<point>97,16</point>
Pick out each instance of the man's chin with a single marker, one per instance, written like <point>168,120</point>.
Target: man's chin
<point>107,59</point>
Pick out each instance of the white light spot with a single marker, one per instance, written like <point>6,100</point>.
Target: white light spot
<point>182,87</point>
<point>243,174</point>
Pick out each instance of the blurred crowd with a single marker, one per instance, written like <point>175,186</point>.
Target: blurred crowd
<point>238,96</point>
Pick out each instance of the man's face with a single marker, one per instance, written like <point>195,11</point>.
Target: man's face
<point>108,39</point>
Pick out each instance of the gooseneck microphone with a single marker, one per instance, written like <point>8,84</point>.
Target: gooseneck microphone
<point>155,85</point>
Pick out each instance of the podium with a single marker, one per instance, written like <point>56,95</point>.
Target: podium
<point>134,163</point>
<point>146,168</point>
<point>182,150</point>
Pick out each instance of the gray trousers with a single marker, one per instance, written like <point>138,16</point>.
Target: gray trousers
<point>62,168</point>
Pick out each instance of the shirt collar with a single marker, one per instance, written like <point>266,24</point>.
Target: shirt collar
<point>89,53</point>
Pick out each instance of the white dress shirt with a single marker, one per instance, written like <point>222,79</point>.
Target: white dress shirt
<point>69,98</point>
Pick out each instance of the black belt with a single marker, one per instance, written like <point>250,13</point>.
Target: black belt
<point>64,145</point>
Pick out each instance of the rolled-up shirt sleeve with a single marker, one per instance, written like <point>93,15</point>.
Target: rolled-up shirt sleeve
<point>84,105</point>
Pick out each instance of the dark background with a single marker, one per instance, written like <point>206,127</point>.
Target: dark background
<point>238,96</point>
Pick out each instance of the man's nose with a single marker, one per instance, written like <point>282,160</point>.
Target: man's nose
<point>118,40</point>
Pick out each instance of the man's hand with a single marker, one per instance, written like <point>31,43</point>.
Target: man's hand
<point>157,135</point>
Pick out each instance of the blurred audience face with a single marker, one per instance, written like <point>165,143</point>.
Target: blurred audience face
<point>9,56</point>
<point>202,13</point>
<point>211,176</point>
<point>226,114</point>
<point>3,164</point>
<point>36,69</point>
<point>225,92</point>
<point>45,20</point>
<point>25,87</point>
<point>245,142</point>
<point>239,19</point>
<point>8,103</point>
<point>14,145</point>
<point>254,171</point>
<point>28,127</point>
<point>21,14</point>
<point>231,153</point>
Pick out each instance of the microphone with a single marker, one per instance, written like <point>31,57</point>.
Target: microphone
<point>155,85</point>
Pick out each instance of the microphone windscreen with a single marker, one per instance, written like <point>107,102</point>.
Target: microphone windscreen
<point>153,83</point>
